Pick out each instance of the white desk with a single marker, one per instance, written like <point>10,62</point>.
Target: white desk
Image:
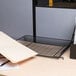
<point>41,66</point>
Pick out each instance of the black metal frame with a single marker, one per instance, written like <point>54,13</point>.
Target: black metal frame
<point>34,3</point>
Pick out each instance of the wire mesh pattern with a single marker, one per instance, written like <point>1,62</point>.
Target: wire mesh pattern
<point>44,49</point>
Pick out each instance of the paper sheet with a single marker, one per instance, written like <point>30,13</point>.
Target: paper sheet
<point>13,50</point>
<point>75,37</point>
<point>8,66</point>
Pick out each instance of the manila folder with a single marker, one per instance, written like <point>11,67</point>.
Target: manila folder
<point>13,50</point>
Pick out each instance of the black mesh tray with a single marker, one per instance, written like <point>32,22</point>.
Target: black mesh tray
<point>47,47</point>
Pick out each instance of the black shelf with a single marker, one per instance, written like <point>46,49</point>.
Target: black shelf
<point>64,4</point>
<point>60,5</point>
<point>56,3</point>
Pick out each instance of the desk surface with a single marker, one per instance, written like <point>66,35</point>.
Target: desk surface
<point>42,66</point>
